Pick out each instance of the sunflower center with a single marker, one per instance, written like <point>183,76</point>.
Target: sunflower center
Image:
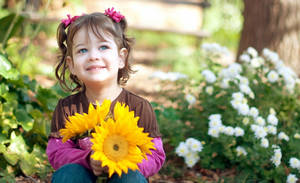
<point>115,147</point>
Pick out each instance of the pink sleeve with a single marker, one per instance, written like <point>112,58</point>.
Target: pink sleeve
<point>60,153</point>
<point>155,161</point>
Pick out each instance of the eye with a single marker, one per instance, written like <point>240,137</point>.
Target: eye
<point>83,50</point>
<point>103,47</point>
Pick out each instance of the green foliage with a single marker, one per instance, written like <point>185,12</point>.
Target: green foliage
<point>214,113</point>
<point>24,122</point>
<point>224,21</point>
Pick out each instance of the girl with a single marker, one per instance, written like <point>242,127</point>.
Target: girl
<point>94,53</point>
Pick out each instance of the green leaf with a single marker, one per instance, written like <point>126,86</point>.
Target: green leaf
<point>6,69</point>
<point>2,148</point>
<point>11,98</point>
<point>47,98</point>
<point>24,119</point>
<point>40,124</point>
<point>10,122</point>
<point>3,89</point>
<point>3,139</point>
<point>11,158</point>
<point>27,164</point>
<point>5,23</point>
<point>7,175</point>
<point>17,144</point>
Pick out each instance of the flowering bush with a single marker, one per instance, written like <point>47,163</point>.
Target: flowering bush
<point>246,114</point>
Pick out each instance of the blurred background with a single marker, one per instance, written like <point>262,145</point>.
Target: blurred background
<point>169,36</point>
<point>167,33</point>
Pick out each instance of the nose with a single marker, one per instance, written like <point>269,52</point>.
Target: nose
<point>94,55</point>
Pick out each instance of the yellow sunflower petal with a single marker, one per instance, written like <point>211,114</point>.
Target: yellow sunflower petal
<point>119,143</point>
<point>81,123</point>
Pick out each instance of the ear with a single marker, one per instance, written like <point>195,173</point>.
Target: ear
<point>123,56</point>
<point>70,64</point>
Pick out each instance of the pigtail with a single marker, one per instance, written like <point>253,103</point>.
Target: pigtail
<point>61,38</point>
<point>60,70</point>
<point>127,43</point>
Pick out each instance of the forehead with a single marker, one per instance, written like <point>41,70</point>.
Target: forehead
<point>87,34</point>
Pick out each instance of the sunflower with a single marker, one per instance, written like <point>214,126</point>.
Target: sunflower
<point>119,143</point>
<point>79,124</point>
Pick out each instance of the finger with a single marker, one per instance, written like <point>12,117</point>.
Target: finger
<point>97,172</point>
<point>95,163</point>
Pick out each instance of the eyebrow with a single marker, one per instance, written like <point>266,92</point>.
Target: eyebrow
<point>80,44</point>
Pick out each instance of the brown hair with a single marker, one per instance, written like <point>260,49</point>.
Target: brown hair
<point>100,24</point>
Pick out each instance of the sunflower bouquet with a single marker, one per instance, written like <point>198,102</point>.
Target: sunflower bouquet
<point>118,142</point>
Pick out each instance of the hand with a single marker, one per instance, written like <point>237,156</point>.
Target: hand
<point>85,143</point>
<point>96,166</point>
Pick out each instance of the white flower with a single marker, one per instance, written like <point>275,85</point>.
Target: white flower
<point>238,131</point>
<point>229,130</point>
<point>252,52</point>
<point>243,80</point>
<point>266,70</point>
<point>235,103</point>
<point>283,136</point>
<point>255,62</point>
<point>286,71</point>
<point>251,95</point>
<point>215,49</point>
<point>233,70</point>
<point>294,163</point>
<point>190,99</point>
<point>272,76</point>
<point>291,178</point>
<point>182,149</point>
<point>279,64</point>
<point>241,151</point>
<point>260,121</point>
<point>221,128</point>
<point>172,76</point>
<point>215,123</point>
<point>270,55</point>
<point>276,158</point>
<point>272,111</point>
<point>254,127</point>
<point>209,90</point>
<point>297,136</point>
<point>272,119</point>
<point>253,112</point>
<point>245,58</point>
<point>224,83</point>
<point>246,121</point>
<point>191,159</point>
<point>194,145</point>
<point>272,129</point>
<point>214,132</point>
<point>243,109</point>
<point>259,132</point>
<point>264,142</point>
<point>245,89</point>
<point>214,117</point>
<point>209,76</point>
<point>238,96</point>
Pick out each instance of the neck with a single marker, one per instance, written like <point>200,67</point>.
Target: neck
<point>100,94</point>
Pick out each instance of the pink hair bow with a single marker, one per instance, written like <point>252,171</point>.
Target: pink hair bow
<point>69,20</point>
<point>116,16</point>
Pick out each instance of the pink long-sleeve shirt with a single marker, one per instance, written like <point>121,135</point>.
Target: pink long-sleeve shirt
<point>60,153</point>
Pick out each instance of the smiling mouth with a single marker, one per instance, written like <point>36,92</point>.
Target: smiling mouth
<point>95,68</point>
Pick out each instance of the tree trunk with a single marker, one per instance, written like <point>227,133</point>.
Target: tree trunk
<point>273,24</point>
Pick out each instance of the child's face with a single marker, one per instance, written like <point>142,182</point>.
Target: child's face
<point>95,61</point>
